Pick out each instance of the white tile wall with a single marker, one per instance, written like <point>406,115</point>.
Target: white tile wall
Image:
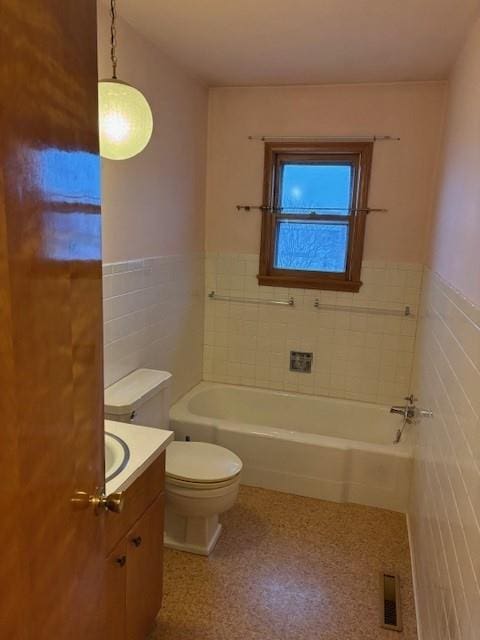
<point>356,355</point>
<point>153,317</point>
<point>445,505</point>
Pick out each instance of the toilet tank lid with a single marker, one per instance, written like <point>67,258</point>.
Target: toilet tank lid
<point>130,392</point>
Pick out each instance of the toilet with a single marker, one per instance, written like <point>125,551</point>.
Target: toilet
<point>201,479</point>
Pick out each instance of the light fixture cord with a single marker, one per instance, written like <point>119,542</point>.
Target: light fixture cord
<point>113,38</point>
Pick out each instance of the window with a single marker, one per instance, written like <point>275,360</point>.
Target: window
<point>313,227</point>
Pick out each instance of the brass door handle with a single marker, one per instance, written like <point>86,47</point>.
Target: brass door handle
<point>100,502</point>
<point>113,502</point>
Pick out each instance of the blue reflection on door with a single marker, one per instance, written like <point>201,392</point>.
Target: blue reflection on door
<point>69,182</point>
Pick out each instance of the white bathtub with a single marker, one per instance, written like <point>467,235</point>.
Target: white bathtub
<point>313,446</point>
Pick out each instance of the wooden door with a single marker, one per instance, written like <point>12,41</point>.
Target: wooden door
<point>145,571</point>
<point>51,393</point>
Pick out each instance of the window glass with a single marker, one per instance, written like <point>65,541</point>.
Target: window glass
<point>311,246</point>
<point>311,187</point>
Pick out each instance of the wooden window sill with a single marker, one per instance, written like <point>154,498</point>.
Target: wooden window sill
<point>294,282</point>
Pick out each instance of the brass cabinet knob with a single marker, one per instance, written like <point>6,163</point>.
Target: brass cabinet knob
<point>137,541</point>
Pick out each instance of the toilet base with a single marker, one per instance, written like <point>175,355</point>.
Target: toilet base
<point>191,534</point>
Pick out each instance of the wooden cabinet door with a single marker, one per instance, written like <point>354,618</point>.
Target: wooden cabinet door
<point>116,592</point>
<point>145,571</point>
<point>52,570</point>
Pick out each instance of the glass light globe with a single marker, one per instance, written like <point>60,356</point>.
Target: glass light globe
<point>125,120</point>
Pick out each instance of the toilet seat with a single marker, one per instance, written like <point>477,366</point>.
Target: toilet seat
<point>199,486</point>
<point>201,465</point>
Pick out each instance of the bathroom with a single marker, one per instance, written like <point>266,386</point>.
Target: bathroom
<point>329,416</point>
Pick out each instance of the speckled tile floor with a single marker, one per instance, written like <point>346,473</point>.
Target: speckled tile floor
<point>288,567</point>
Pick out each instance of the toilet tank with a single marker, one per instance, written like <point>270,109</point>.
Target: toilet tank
<point>142,397</point>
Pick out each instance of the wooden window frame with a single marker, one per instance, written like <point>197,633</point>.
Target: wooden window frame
<point>277,154</point>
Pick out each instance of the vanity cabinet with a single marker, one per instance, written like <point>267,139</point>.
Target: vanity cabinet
<point>116,590</point>
<point>145,572</point>
<point>135,562</point>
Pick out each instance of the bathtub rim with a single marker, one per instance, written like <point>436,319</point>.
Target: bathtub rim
<point>180,412</point>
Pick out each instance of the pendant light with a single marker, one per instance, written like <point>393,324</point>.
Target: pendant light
<point>125,117</point>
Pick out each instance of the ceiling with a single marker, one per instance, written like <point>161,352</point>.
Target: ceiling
<point>266,42</point>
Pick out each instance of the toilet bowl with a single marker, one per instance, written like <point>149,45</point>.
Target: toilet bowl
<point>201,479</point>
<point>201,482</point>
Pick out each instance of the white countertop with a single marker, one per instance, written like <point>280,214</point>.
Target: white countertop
<point>145,444</point>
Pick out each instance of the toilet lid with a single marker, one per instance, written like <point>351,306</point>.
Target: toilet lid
<point>201,462</point>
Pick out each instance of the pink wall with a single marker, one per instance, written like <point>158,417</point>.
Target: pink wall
<point>445,508</point>
<point>154,204</point>
<point>454,247</point>
<point>403,172</point>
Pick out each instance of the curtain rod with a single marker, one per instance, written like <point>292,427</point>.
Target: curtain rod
<point>312,213</point>
<point>326,138</point>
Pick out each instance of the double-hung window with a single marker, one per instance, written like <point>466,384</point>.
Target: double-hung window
<point>315,207</point>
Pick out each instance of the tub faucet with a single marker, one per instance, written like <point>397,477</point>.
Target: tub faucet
<point>410,413</point>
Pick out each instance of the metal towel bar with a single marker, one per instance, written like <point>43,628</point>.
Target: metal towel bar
<point>406,312</point>
<point>286,303</point>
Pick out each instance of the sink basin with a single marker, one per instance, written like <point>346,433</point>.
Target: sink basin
<point>117,455</point>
